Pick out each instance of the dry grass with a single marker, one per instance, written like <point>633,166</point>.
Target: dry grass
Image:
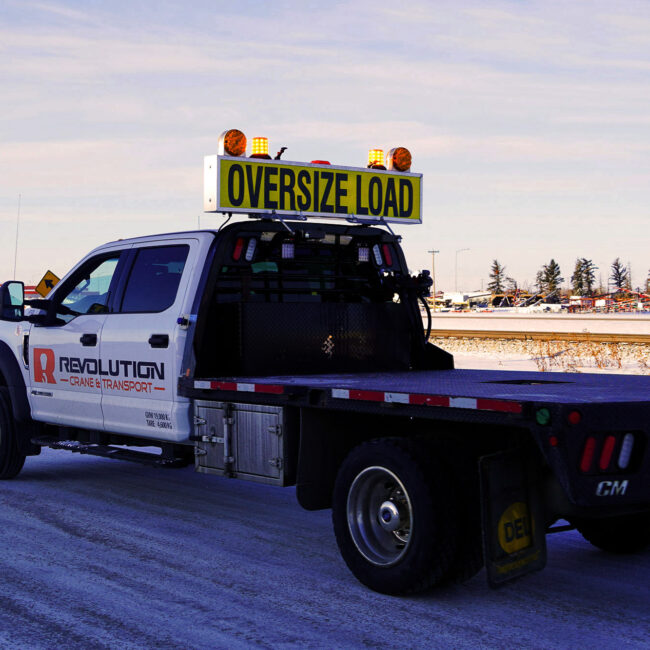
<point>558,356</point>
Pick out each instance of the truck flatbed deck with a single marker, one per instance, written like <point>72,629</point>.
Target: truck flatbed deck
<point>512,388</point>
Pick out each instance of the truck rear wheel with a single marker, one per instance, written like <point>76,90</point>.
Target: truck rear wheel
<point>394,520</point>
<point>626,534</point>
<point>11,460</point>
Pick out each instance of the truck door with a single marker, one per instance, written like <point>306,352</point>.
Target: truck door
<point>142,344</point>
<point>64,366</point>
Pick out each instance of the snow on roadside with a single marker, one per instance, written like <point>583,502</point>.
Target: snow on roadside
<point>547,356</point>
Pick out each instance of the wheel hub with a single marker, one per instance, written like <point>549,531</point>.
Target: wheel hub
<point>389,516</point>
<point>379,516</point>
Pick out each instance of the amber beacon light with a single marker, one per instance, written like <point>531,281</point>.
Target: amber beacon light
<point>260,148</point>
<point>376,159</point>
<point>232,143</point>
<point>399,159</point>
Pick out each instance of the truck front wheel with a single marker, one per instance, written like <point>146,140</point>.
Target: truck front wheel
<point>626,534</point>
<point>394,518</point>
<point>11,460</point>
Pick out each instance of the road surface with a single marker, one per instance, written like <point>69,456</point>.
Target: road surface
<point>98,553</point>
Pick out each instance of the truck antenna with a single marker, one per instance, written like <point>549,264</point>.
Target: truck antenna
<point>16,246</point>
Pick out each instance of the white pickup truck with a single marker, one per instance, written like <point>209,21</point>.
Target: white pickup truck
<point>292,352</point>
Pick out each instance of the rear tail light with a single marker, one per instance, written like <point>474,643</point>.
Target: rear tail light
<point>239,246</point>
<point>387,255</point>
<point>616,452</point>
<point>588,455</point>
<point>626,451</point>
<point>606,453</point>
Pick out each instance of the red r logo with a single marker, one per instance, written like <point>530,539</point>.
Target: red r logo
<point>44,365</point>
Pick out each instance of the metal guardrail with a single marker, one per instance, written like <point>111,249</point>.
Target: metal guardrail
<point>542,336</point>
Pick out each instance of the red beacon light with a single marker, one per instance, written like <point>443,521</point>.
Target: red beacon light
<point>232,143</point>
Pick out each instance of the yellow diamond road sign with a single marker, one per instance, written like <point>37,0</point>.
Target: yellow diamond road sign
<point>47,283</point>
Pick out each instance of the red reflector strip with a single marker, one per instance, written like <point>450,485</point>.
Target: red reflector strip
<point>367,395</point>
<point>269,388</point>
<point>498,405</point>
<point>416,399</point>
<point>272,389</point>
<point>429,400</point>
<point>606,453</point>
<point>223,385</point>
<point>587,455</point>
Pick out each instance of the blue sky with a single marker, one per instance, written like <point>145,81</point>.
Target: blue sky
<point>529,120</point>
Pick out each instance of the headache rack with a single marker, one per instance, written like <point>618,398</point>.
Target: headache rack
<point>323,298</point>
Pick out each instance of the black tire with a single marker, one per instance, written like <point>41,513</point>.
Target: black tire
<point>11,460</point>
<point>626,534</point>
<point>395,517</point>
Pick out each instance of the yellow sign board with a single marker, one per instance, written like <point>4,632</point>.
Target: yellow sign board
<point>300,189</point>
<point>47,283</point>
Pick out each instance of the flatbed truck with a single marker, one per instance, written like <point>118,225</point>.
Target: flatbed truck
<point>289,350</point>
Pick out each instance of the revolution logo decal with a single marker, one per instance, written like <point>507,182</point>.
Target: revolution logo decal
<point>113,374</point>
<point>44,366</point>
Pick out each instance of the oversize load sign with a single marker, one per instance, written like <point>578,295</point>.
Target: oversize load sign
<point>288,188</point>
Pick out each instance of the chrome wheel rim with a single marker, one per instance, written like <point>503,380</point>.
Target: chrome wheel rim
<point>380,516</point>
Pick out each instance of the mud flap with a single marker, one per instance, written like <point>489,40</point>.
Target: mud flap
<point>514,540</point>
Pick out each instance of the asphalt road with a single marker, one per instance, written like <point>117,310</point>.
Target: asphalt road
<point>98,553</point>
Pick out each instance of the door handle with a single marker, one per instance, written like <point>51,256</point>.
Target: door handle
<point>88,340</point>
<point>159,340</point>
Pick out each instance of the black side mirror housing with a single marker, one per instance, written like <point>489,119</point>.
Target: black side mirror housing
<point>12,301</point>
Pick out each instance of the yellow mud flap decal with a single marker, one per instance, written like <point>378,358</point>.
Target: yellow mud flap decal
<point>514,540</point>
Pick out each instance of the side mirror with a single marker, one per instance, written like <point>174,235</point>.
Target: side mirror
<point>12,301</point>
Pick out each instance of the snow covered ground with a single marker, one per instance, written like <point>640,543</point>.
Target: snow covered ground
<point>104,554</point>
<point>548,356</point>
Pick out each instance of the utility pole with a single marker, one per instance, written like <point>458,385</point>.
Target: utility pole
<point>16,246</point>
<point>433,276</point>
<point>460,250</point>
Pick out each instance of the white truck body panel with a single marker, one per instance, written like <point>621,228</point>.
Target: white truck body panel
<point>123,384</point>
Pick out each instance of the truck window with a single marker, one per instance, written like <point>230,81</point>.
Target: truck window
<point>273,267</point>
<point>154,279</point>
<point>90,293</point>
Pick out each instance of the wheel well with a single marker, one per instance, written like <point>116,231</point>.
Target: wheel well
<point>327,437</point>
<point>12,378</point>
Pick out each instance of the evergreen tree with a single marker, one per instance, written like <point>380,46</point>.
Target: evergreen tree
<point>588,276</point>
<point>647,283</point>
<point>497,278</point>
<point>619,276</point>
<point>549,278</point>
<point>583,277</point>
<point>577,281</point>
